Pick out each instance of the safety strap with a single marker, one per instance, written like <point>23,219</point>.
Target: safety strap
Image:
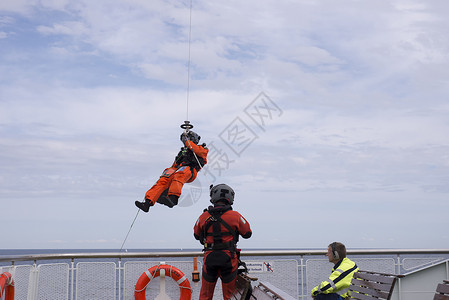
<point>187,157</point>
<point>215,221</point>
<point>345,273</point>
<point>339,278</point>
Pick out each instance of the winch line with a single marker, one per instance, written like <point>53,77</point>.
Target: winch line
<point>132,224</point>
<point>188,63</point>
<point>187,109</point>
<point>188,74</point>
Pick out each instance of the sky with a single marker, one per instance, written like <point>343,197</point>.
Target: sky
<point>329,119</point>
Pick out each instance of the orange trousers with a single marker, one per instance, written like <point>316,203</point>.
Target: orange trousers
<point>218,264</point>
<point>172,179</point>
<point>207,289</point>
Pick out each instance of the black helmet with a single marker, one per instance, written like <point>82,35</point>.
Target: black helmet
<point>221,192</point>
<point>194,137</point>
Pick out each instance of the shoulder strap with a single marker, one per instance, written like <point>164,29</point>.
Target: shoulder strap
<point>215,221</point>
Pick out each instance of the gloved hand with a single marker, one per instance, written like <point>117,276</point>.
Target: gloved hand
<point>314,292</point>
<point>184,137</point>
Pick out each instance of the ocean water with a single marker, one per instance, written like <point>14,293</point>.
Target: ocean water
<point>6,252</point>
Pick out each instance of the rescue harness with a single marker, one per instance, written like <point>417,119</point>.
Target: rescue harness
<point>186,157</point>
<point>216,221</point>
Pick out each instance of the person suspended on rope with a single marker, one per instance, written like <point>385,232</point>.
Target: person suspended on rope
<point>190,159</point>
<point>218,228</point>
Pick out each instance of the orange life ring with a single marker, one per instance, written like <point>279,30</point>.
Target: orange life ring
<point>176,274</point>
<point>7,285</point>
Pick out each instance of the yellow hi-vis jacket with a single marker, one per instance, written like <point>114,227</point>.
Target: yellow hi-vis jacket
<point>339,280</point>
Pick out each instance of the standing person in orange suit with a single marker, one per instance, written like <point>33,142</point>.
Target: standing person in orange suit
<point>190,159</point>
<point>218,228</point>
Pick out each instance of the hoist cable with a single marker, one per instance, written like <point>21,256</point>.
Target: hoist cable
<point>186,124</point>
<point>188,62</point>
<point>132,224</point>
<point>188,79</point>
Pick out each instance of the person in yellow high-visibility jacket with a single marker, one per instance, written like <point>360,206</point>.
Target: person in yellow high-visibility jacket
<point>336,287</point>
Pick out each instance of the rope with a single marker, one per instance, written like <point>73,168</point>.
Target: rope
<point>152,276</point>
<point>196,157</point>
<point>188,64</point>
<point>132,224</point>
<point>187,112</point>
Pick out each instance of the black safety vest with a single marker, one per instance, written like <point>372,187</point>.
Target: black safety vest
<point>186,157</point>
<point>217,234</point>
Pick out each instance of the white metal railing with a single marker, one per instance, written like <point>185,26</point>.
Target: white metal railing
<point>112,275</point>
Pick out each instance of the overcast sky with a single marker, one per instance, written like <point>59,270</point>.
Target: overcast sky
<point>330,119</point>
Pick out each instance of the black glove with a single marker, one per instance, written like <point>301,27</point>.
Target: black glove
<point>242,268</point>
<point>184,137</point>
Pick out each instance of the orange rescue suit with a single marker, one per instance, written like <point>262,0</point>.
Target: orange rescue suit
<point>220,258</point>
<point>184,169</point>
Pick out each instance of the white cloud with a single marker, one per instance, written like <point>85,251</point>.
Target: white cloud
<point>65,28</point>
<point>19,6</point>
<point>91,103</point>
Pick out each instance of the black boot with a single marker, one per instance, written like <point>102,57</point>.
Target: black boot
<point>174,199</point>
<point>145,206</point>
<point>169,201</point>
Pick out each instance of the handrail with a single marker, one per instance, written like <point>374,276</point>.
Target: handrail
<point>296,260</point>
<point>120,255</point>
